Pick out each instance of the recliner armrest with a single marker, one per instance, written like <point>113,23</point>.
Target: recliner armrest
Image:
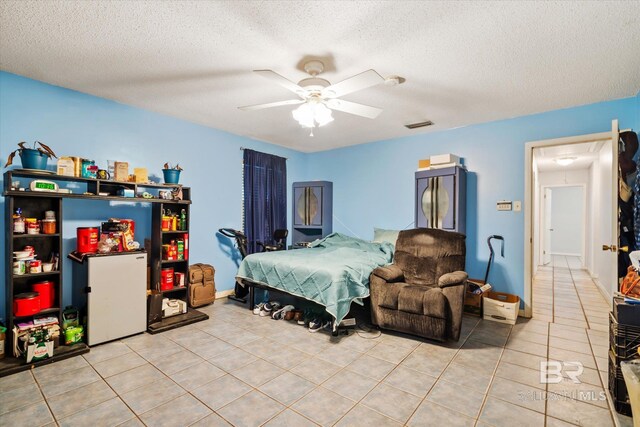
<point>390,273</point>
<point>452,279</point>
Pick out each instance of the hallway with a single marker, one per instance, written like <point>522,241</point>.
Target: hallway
<point>577,314</point>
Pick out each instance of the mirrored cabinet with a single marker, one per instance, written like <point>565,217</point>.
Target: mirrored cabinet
<point>312,211</point>
<point>441,199</point>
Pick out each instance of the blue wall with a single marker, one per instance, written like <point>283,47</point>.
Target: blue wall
<point>373,184</point>
<point>77,124</point>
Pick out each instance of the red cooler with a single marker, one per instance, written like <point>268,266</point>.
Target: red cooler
<point>87,240</point>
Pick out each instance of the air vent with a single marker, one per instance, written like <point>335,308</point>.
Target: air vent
<point>419,125</point>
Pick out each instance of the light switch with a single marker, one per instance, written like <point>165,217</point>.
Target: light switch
<point>503,205</point>
<point>517,206</point>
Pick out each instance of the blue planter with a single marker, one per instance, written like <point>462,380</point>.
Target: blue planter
<point>171,176</point>
<point>33,159</point>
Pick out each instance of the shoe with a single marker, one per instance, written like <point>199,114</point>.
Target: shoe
<point>302,317</point>
<point>269,308</point>
<point>291,315</point>
<point>280,314</point>
<point>257,308</point>
<point>317,324</point>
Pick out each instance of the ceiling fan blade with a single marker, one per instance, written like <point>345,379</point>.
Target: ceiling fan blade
<point>353,84</point>
<point>354,108</point>
<point>271,104</point>
<point>282,81</point>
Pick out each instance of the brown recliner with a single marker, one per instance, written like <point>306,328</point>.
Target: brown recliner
<point>422,292</point>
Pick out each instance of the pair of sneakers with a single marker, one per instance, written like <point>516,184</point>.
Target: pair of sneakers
<point>265,309</point>
<point>318,324</point>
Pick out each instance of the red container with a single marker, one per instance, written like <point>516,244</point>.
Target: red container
<point>166,279</point>
<point>87,240</point>
<point>47,293</point>
<point>186,245</point>
<point>26,304</point>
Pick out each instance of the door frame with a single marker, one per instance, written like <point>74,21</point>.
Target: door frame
<point>583,253</point>
<point>529,192</point>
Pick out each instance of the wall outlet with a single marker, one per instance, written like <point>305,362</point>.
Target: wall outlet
<point>503,205</point>
<point>517,206</point>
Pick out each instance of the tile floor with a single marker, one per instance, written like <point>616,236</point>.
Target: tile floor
<point>244,370</point>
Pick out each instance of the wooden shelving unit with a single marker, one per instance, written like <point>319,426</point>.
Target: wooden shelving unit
<point>34,204</point>
<point>159,238</point>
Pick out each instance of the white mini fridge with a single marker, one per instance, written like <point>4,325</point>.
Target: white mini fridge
<point>115,295</point>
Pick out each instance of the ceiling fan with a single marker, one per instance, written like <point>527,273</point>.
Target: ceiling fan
<point>318,97</point>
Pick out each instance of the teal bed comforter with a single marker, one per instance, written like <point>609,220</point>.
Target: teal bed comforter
<point>333,271</point>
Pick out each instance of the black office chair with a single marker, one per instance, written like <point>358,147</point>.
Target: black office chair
<point>279,241</point>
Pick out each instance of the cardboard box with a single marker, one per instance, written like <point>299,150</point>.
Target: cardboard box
<point>39,351</point>
<point>121,172</point>
<point>473,302</point>
<point>500,307</point>
<point>66,166</point>
<point>140,175</point>
<point>444,158</point>
<point>424,163</point>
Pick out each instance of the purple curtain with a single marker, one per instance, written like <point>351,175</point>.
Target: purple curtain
<point>265,197</point>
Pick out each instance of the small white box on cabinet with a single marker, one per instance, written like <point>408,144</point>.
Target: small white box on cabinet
<point>444,158</point>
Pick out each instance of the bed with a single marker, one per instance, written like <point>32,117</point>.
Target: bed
<point>333,272</point>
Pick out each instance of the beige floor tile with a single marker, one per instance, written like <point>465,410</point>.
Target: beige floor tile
<point>316,370</point>
<point>110,413</point>
<point>37,414</point>
<point>314,406</point>
<point>181,411</point>
<point>81,398</point>
<point>288,418</point>
<point>518,394</point>
<point>371,367</point>
<point>497,412</point>
<point>361,415</point>
<point>392,402</point>
<point>350,384</point>
<point>430,414</point>
<point>220,392</point>
<point>257,373</point>
<point>467,377</point>
<point>410,380</point>
<point>152,395</point>
<point>580,413</point>
<point>448,394</point>
<point>194,376</point>
<point>262,409</point>
<point>287,388</point>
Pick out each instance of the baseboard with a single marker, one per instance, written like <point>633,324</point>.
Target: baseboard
<point>224,294</point>
<point>566,254</point>
<point>603,291</point>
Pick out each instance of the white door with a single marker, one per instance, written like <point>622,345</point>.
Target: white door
<point>611,239</point>
<point>546,231</point>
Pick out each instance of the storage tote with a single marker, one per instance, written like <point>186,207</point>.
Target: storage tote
<point>501,307</point>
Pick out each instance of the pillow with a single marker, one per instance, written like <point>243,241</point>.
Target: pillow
<point>381,235</point>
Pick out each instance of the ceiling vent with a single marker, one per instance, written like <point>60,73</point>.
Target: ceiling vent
<point>419,125</point>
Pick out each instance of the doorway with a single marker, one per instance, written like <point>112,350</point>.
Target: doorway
<point>563,211</point>
<point>586,161</point>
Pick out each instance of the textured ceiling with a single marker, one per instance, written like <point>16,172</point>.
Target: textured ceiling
<point>464,62</point>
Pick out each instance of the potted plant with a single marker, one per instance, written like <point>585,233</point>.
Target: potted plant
<point>32,158</point>
<point>171,174</point>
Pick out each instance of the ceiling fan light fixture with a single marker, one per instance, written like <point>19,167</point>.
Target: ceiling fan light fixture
<point>310,114</point>
<point>565,161</point>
